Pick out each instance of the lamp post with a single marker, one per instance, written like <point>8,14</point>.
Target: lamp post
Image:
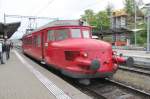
<point>148,26</point>
<point>5,33</point>
<point>135,43</point>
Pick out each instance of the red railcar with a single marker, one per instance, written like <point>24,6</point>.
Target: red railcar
<point>67,45</point>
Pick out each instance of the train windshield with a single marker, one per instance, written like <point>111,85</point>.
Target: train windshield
<point>62,34</point>
<point>86,34</point>
<point>76,33</point>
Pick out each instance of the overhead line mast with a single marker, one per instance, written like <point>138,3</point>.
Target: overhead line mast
<point>32,20</point>
<point>20,16</point>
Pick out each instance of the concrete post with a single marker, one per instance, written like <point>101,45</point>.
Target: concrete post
<point>135,38</point>
<point>148,30</point>
<point>5,32</point>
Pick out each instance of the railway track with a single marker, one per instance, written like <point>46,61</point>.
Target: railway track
<point>135,90</point>
<point>140,62</point>
<point>136,69</point>
<point>111,89</point>
<point>145,67</point>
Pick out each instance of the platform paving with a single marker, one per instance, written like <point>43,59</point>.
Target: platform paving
<point>17,81</point>
<point>134,53</point>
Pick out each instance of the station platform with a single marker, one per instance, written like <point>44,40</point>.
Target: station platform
<point>21,78</point>
<point>141,58</point>
<point>134,53</point>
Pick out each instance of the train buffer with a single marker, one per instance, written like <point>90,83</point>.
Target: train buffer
<point>21,78</point>
<point>141,58</point>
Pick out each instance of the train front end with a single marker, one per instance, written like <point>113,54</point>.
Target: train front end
<point>77,55</point>
<point>88,58</point>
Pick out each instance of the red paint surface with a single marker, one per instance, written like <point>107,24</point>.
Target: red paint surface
<point>54,53</point>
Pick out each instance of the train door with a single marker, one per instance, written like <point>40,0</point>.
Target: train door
<point>33,51</point>
<point>37,46</point>
<point>48,49</point>
<point>42,45</point>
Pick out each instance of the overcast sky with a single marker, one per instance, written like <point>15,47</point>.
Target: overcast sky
<point>62,9</point>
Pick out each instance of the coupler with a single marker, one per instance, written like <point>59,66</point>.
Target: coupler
<point>129,61</point>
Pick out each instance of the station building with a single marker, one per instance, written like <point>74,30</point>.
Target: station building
<point>121,35</point>
<point>118,34</point>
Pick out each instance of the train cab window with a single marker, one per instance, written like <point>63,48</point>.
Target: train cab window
<point>35,41</point>
<point>86,34</point>
<point>39,41</point>
<point>50,35</point>
<point>62,34</point>
<point>75,33</point>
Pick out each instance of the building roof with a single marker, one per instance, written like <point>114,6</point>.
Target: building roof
<point>118,13</point>
<point>9,28</point>
<point>113,31</point>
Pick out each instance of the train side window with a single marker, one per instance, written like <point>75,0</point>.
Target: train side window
<point>39,41</point>
<point>29,40</point>
<point>34,41</point>
<point>86,34</point>
<point>62,34</point>
<point>50,35</point>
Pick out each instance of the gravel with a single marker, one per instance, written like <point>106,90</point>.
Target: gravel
<point>139,81</point>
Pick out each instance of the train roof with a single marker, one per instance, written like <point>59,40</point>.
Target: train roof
<point>61,23</point>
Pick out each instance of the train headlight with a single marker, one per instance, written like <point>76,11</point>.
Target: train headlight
<point>84,54</point>
<point>114,53</point>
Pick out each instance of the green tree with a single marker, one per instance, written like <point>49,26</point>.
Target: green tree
<point>129,7</point>
<point>130,10</point>
<point>102,20</point>
<point>89,16</point>
<point>109,9</point>
<point>99,20</point>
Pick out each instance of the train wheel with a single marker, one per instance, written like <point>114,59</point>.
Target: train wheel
<point>84,81</point>
<point>43,62</point>
<point>111,76</point>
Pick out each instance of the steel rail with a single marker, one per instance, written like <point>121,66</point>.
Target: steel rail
<point>143,67</point>
<point>95,95</point>
<point>142,92</point>
<point>134,69</point>
<point>129,90</point>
